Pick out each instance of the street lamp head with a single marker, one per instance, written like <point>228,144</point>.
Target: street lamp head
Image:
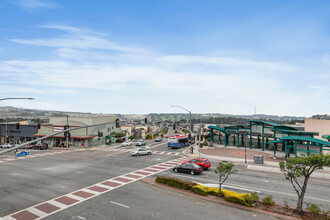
<point>31,98</point>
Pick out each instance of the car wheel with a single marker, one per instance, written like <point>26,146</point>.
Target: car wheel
<point>137,155</point>
<point>192,173</point>
<point>202,168</point>
<point>175,170</point>
<point>149,153</point>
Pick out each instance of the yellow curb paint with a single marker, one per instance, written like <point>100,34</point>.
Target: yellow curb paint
<point>193,155</point>
<point>94,148</point>
<point>81,149</point>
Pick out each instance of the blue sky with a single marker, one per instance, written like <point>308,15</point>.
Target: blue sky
<point>143,56</point>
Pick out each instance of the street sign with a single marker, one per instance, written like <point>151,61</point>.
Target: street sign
<point>22,154</point>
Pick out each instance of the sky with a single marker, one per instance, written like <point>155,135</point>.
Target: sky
<point>129,56</point>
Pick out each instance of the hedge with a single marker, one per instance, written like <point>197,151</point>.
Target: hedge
<point>203,190</point>
<point>177,183</point>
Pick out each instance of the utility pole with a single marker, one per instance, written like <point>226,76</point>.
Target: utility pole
<point>67,137</point>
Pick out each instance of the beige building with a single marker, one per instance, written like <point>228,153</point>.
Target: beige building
<point>317,125</point>
<point>81,137</point>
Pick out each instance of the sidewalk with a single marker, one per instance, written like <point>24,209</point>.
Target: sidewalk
<point>237,155</point>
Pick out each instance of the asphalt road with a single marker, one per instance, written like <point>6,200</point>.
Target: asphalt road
<point>25,183</point>
<point>266,184</point>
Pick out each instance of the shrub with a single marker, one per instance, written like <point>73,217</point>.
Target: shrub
<point>199,189</point>
<point>314,209</point>
<point>251,198</point>
<point>174,182</point>
<point>268,200</point>
<point>213,191</point>
<point>235,197</point>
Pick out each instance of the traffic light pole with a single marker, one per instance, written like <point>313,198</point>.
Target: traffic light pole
<point>67,137</point>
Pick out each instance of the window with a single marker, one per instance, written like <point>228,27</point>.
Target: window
<point>186,165</point>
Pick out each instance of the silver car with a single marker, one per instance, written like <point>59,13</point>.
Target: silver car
<point>140,142</point>
<point>140,151</point>
<point>126,143</point>
<point>6,145</point>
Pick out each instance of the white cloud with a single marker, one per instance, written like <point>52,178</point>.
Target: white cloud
<point>88,62</point>
<point>30,5</point>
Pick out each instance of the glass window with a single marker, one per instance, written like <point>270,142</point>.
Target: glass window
<point>186,165</point>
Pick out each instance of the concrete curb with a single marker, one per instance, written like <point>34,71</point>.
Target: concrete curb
<point>215,200</point>
<point>266,167</point>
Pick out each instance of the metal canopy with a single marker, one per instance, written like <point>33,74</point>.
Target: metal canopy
<point>326,136</point>
<point>296,132</point>
<point>272,124</point>
<point>303,138</point>
<point>217,128</point>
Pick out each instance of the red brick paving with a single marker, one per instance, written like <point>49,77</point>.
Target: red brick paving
<point>47,208</point>
<point>66,200</point>
<point>151,170</point>
<point>133,176</point>
<point>97,189</point>
<point>83,194</point>
<point>142,173</point>
<point>157,167</point>
<point>112,184</point>
<point>25,215</point>
<point>122,179</point>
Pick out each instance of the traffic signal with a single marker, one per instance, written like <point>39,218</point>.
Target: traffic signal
<point>117,123</point>
<point>201,137</point>
<point>39,125</point>
<point>17,125</point>
<point>98,133</point>
<point>66,127</point>
<point>198,137</point>
<point>174,126</point>
<point>67,134</point>
<point>146,120</point>
<point>189,136</point>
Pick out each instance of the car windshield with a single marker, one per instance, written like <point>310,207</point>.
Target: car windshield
<point>140,140</point>
<point>195,165</point>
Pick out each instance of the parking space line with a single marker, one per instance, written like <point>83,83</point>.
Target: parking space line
<point>120,204</point>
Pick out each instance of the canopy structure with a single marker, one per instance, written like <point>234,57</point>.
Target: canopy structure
<point>326,136</point>
<point>295,144</point>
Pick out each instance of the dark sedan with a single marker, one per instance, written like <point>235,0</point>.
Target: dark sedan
<point>188,168</point>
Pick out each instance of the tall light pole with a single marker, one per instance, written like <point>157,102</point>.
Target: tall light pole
<point>2,99</point>
<point>177,106</point>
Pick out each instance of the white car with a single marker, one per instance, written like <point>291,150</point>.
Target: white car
<point>126,143</point>
<point>140,151</point>
<point>6,145</point>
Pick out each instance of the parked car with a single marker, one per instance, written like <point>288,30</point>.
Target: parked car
<point>191,168</point>
<point>158,139</point>
<point>126,143</point>
<point>140,142</point>
<point>42,146</point>
<point>140,151</point>
<point>202,162</point>
<point>6,145</point>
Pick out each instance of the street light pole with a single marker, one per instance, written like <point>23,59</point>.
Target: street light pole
<point>190,127</point>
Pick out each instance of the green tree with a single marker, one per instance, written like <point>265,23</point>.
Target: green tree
<point>298,171</point>
<point>224,170</point>
<point>131,137</point>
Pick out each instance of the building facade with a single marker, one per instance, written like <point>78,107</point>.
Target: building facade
<point>321,126</point>
<point>83,137</point>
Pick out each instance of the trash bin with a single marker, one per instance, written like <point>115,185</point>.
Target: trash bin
<point>258,159</point>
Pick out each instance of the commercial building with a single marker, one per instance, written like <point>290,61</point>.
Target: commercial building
<point>9,133</point>
<point>83,137</point>
<point>320,126</point>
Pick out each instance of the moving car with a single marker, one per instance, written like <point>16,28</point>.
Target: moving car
<point>188,168</point>
<point>42,146</point>
<point>6,145</point>
<point>158,139</point>
<point>126,143</point>
<point>202,162</point>
<point>140,151</point>
<point>140,142</point>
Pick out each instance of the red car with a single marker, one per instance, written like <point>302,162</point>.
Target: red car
<point>202,162</point>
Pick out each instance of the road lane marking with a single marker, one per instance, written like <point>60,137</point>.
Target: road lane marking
<point>70,199</point>
<point>120,204</point>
